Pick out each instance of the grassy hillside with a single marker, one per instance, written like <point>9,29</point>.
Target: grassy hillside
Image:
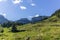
<point>38,31</point>
<point>48,29</point>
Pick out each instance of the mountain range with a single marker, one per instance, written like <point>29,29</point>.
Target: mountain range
<point>55,17</point>
<point>23,20</point>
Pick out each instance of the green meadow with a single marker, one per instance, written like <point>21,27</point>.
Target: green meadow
<point>37,31</point>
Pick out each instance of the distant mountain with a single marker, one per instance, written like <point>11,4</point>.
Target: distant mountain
<point>3,19</point>
<point>55,17</point>
<point>39,18</point>
<point>33,20</point>
<point>23,21</point>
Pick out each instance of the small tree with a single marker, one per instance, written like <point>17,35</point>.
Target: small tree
<point>14,29</point>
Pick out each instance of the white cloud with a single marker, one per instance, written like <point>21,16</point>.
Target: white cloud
<point>23,7</point>
<point>37,15</point>
<point>3,14</point>
<point>3,0</point>
<point>17,1</point>
<point>33,4</point>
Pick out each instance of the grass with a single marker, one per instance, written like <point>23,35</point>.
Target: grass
<point>38,31</point>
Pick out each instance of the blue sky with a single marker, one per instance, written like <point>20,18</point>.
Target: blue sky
<point>17,9</point>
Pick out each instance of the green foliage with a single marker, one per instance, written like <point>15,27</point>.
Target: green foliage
<point>14,28</point>
<point>9,24</point>
<point>38,31</point>
<point>1,30</point>
<point>6,24</point>
<point>17,23</point>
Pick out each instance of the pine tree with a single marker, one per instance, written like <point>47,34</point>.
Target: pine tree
<point>14,29</point>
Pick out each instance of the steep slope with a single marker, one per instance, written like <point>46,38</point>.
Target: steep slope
<point>2,19</point>
<point>55,17</point>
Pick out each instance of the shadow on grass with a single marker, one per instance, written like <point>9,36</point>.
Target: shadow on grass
<point>15,31</point>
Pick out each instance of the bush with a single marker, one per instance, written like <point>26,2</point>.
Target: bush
<point>6,24</point>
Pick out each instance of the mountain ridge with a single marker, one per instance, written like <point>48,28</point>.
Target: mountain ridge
<point>55,17</point>
<point>3,19</point>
